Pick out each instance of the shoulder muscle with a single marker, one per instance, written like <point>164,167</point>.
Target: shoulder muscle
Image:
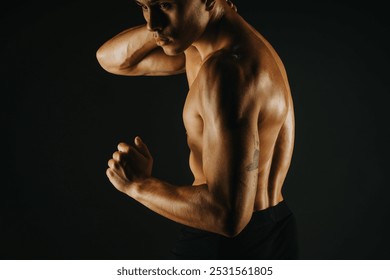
<point>224,89</point>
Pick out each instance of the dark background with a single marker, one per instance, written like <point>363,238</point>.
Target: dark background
<point>62,116</point>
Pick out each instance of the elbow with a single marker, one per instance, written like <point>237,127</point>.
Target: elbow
<point>101,57</point>
<point>233,224</point>
<point>105,60</point>
<point>232,230</point>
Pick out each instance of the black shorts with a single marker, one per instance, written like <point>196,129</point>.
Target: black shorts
<point>270,234</point>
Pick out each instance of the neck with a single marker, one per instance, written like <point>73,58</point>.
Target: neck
<point>218,34</point>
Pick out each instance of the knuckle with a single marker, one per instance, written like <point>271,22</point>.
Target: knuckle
<point>122,157</point>
<point>113,164</point>
<point>109,172</point>
<point>116,165</point>
<point>116,155</point>
<point>123,147</point>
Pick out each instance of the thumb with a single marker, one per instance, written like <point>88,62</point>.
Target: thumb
<point>141,147</point>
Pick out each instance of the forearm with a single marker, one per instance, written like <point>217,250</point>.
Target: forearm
<point>126,49</point>
<point>194,206</point>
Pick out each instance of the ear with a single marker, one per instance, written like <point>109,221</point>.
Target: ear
<point>210,4</point>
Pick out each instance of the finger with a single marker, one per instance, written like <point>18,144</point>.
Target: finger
<point>123,147</point>
<point>113,164</point>
<point>110,173</point>
<point>231,5</point>
<point>115,179</point>
<point>116,156</point>
<point>141,147</point>
<point>120,157</point>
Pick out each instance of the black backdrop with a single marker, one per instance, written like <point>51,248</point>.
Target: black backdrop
<point>62,117</point>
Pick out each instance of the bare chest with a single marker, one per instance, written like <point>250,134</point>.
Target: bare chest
<point>192,119</point>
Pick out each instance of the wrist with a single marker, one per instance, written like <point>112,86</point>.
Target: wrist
<point>136,187</point>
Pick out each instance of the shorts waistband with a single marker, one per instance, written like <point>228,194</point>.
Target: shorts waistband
<point>272,214</point>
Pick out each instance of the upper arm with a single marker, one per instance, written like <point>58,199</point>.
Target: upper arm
<point>230,143</point>
<point>155,63</point>
<point>134,52</point>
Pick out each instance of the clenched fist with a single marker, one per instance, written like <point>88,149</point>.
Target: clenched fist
<point>129,165</point>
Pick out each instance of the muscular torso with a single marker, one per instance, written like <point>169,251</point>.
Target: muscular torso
<point>268,87</point>
<point>238,115</point>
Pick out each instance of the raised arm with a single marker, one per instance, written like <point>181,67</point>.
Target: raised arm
<point>224,204</point>
<point>134,52</point>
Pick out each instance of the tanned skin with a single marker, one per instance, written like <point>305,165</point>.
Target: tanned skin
<point>238,113</point>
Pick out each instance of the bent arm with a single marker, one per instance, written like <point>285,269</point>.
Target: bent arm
<point>224,204</point>
<point>134,52</point>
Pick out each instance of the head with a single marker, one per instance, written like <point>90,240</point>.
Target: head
<point>176,24</point>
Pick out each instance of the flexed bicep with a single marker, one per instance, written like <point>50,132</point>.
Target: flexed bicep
<point>134,52</point>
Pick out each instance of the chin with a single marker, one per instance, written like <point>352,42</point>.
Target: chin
<point>172,50</point>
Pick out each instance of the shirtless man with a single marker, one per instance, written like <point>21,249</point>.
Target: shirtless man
<point>240,129</point>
